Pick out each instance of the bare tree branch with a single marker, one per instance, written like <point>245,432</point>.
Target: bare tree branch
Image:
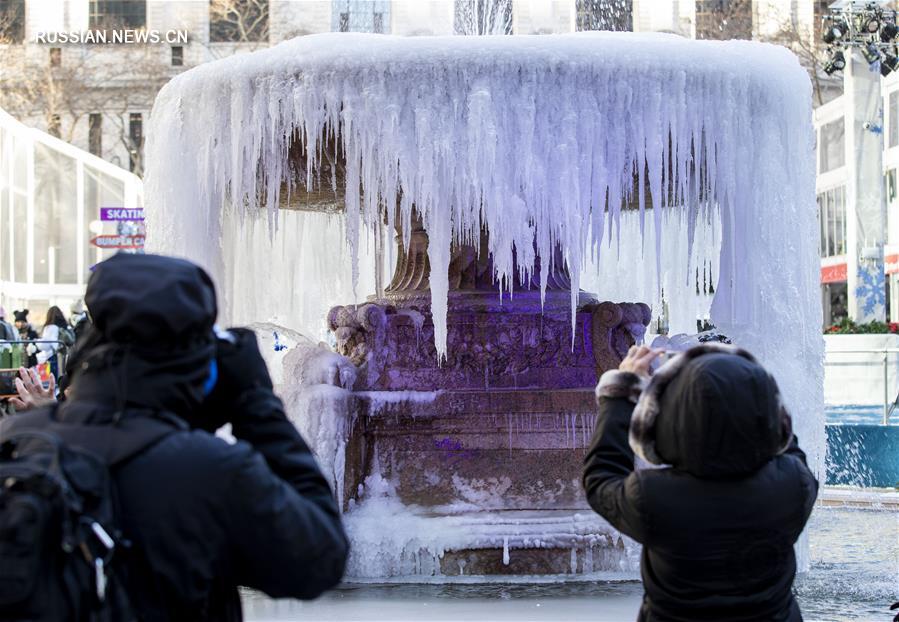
<point>238,21</point>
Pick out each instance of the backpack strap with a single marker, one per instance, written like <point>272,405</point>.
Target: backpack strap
<point>113,441</point>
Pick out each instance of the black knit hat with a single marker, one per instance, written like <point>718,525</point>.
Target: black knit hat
<point>150,301</point>
<point>21,316</point>
<point>151,343</point>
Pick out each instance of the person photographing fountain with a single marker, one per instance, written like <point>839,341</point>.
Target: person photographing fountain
<point>196,516</point>
<point>719,523</point>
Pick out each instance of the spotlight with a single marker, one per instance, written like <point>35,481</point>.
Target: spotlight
<point>836,30</point>
<point>889,64</point>
<point>871,53</point>
<point>836,63</point>
<point>839,61</point>
<point>872,24</point>
<point>888,32</point>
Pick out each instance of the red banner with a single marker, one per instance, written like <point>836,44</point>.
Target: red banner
<point>836,273</point>
<point>833,274</point>
<point>891,264</point>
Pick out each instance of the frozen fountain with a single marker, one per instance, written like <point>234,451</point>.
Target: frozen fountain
<point>454,403</point>
<point>483,447</point>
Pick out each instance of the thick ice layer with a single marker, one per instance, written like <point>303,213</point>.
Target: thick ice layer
<point>318,401</point>
<point>532,137</point>
<point>419,539</point>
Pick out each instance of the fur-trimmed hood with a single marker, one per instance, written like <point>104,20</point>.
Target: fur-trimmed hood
<point>713,412</point>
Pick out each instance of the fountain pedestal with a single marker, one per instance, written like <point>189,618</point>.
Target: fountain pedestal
<point>486,445</point>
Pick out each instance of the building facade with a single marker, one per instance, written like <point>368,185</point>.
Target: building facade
<point>858,200</point>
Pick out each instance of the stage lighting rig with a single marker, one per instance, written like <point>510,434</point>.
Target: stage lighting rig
<point>867,26</point>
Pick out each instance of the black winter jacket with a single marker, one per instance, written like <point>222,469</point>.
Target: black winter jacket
<point>717,527</point>
<point>205,516</point>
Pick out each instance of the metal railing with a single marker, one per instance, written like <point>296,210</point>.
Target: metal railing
<point>890,397</point>
<point>60,353</point>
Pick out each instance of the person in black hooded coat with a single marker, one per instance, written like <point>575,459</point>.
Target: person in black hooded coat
<point>203,516</point>
<point>717,524</point>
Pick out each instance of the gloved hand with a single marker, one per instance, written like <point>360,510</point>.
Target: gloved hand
<point>241,370</point>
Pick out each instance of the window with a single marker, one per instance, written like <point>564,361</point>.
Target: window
<point>177,56</point>
<point>12,21</point>
<point>836,297</point>
<point>617,15</point>
<point>53,125</point>
<point>832,146</point>
<point>724,19</point>
<point>136,142</point>
<point>893,118</point>
<point>21,150</point>
<point>360,15</point>
<point>112,14</point>
<point>891,185</point>
<point>832,219</point>
<point>100,190</point>
<point>4,200</point>
<point>95,133</point>
<point>482,17</point>
<point>55,57</point>
<point>55,233</point>
<point>238,21</point>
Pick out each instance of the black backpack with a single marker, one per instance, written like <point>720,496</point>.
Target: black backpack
<point>61,553</point>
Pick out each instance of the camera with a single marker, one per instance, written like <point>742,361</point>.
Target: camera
<point>8,382</point>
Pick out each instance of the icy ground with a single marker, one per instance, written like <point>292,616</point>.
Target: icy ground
<point>854,577</point>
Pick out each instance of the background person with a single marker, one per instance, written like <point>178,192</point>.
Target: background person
<point>79,321</point>
<point>23,326</point>
<point>26,333</point>
<point>7,331</point>
<point>51,336</point>
<point>719,523</point>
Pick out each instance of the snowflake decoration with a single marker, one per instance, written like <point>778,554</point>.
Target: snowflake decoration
<point>870,290</point>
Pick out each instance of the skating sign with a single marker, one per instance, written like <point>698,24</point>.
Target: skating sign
<point>118,241</point>
<point>121,213</point>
